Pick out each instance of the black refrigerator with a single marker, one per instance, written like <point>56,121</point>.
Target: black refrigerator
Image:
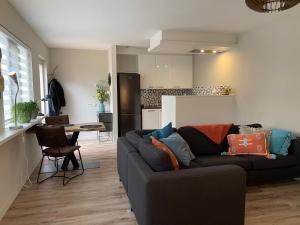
<point>129,103</point>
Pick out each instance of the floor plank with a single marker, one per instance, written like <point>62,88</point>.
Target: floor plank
<point>98,198</point>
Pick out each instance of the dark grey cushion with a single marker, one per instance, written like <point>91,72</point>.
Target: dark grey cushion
<point>157,159</point>
<point>134,137</point>
<point>217,160</point>
<point>261,163</point>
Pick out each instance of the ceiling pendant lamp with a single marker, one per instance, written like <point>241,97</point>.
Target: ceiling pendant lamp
<point>267,6</point>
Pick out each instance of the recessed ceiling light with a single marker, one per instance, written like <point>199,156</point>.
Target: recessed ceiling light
<point>202,50</point>
<point>214,51</point>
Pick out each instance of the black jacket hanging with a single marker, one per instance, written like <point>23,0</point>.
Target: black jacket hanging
<point>56,97</point>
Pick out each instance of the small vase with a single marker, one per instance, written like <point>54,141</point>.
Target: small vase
<point>101,107</point>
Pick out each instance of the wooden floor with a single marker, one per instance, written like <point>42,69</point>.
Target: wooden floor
<point>97,198</point>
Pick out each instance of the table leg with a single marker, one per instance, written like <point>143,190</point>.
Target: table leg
<point>72,156</point>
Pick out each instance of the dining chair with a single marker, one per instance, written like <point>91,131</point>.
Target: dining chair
<point>57,120</point>
<point>53,142</point>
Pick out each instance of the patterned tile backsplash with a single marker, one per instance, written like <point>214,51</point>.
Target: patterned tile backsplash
<point>152,97</point>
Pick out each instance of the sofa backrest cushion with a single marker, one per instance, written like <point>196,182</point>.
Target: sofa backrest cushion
<point>134,137</point>
<point>157,159</point>
<point>200,144</point>
<point>295,147</point>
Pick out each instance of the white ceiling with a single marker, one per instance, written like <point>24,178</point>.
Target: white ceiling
<point>95,24</point>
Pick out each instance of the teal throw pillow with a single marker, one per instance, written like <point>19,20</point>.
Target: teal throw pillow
<point>151,134</point>
<point>280,141</point>
<point>180,148</point>
<point>160,133</point>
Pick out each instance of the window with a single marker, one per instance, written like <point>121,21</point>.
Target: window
<point>15,57</point>
<point>43,85</point>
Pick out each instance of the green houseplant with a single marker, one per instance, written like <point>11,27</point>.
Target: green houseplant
<point>34,109</point>
<point>24,112</point>
<point>102,94</point>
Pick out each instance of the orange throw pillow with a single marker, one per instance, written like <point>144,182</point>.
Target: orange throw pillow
<point>248,144</point>
<point>164,148</point>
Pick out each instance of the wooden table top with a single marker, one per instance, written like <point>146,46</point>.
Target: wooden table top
<point>78,128</point>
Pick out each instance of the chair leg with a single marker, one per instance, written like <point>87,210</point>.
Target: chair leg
<point>70,178</point>
<point>82,167</point>
<point>38,178</point>
<point>52,175</point>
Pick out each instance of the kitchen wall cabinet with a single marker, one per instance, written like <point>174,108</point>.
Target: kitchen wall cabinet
<point>166,71</point>
<point>151,118</point>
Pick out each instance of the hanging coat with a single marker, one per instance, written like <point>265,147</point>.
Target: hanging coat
<point>56,97</point>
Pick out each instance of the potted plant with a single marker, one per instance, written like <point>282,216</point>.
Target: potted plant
<point>102,94</point>
<point>34,109</point>
<point>24,112</point>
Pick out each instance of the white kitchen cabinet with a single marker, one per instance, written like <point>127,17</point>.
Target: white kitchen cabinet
<point>181,74</point>
<point>166,71</point>
<point>151,118</point>
<point>147,70</point>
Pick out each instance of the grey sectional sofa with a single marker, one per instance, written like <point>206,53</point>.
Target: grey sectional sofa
<point>210,192</point>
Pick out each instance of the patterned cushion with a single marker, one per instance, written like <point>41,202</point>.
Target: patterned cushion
<point>164,148</point>
<point>248,144</point>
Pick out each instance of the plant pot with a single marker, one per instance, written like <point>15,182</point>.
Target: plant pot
<point>24,117</point>
<point>101,107</point>
<point>34,114</point>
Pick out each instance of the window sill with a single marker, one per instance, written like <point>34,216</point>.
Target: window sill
<point>7,134</point>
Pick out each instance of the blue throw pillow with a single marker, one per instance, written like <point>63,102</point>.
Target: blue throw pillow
<point>151,134</point>
<point>160,133</point>
<point>180,148</point>
<point>165,131</point>
<point>280,141</point>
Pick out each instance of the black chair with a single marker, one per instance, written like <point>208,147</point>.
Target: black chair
<point>53,142</point>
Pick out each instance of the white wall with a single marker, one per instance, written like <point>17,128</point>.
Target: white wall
<point>13,168</point>
<point>203,110</point>
<point>112,67</point>
<point>78,72</point>
<point>264,71</point>
<point>127,63</point>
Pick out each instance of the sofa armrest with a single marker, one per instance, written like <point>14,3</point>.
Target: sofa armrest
<point>124,148</point>
<point>202,196</point>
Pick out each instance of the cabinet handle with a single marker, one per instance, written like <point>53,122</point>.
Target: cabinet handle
<point>151,110</point>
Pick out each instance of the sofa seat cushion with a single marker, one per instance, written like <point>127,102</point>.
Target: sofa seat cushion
<point>261,163</point>
<point>217,160</point>
<point>192,165</point>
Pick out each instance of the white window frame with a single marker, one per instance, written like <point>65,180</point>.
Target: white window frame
<point>17,67</point>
